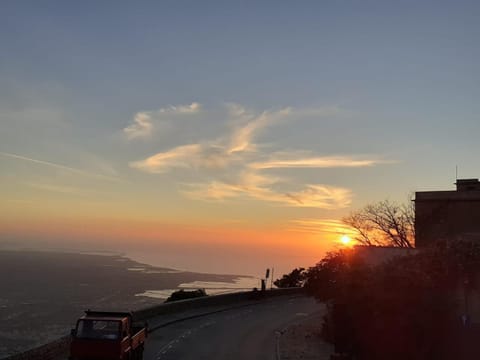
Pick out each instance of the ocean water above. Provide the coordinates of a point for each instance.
(226, 263)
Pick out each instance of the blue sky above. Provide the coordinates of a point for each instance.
(394, 84)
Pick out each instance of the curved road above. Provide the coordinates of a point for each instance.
(250, 332)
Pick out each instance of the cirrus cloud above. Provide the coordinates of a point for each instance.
(184, 156)
(236, 146)
(182, 109)
(143, 123)
(235, 166)
(315, 162)
(319, 226)
(312, 195)
(142, 126)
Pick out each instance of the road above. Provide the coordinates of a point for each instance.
(250, 332)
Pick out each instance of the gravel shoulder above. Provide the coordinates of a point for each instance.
(302, 340)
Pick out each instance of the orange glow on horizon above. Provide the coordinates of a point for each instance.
(272, 243)
(118, 231)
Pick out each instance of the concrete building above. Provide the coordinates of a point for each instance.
(376, 255)
(448, 215)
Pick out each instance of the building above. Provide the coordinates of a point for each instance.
(448, 215)
(377, 255)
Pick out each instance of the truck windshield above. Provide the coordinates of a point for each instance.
(98, 329)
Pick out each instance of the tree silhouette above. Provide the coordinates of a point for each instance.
(295, 279)
(384, 223)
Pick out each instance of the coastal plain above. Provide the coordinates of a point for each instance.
(42, 293)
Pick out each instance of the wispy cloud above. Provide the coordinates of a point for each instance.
(315, 195)
(142, 126)
(260, 187)
(246, 183)
(216, 153)
(321, 196)
(243, 162)
(182, 109)
(143, 123)
(179, 157)
(242, 137)
(214, 190)
(315, 162)
(59, 188)
(317, 226)
(61, 167)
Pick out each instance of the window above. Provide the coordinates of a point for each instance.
(98, 329)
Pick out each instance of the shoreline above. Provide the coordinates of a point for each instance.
(135, 257)
(44, 292)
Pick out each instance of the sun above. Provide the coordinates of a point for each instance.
(346, 240)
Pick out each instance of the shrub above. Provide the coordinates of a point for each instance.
(406, 308)
(295, 279)
(185, 294)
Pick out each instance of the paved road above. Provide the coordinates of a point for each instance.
(249, 332)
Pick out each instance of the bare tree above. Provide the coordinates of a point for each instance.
(384, 223)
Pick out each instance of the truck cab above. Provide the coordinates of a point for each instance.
(107, 336)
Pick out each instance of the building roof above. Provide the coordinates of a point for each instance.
(467, 190)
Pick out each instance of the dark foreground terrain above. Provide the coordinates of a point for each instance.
(43, 293)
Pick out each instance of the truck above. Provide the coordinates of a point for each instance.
(102, 335)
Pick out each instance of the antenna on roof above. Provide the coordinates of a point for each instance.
(456, 173)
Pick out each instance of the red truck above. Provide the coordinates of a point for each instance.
(101, 335)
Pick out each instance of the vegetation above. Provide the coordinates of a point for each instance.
(184, 294)
(408, 308)
(384, 223)
(295, 279)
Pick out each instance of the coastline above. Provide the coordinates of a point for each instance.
(44, 292)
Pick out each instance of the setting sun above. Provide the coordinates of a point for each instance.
(345, 240)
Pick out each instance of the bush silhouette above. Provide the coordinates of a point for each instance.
(186, 294)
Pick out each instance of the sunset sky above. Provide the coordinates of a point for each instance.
(227, 136)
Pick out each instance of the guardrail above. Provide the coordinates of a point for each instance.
(59, 348)
(212, 300)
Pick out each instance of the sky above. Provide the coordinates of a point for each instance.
(227, 136)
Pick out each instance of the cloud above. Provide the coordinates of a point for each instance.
(321, 196)
(142, 126)
(260, 187)
(315, 226)
(193, 156)
(178, 157)
(217, 153)
(315, 162)
(246, 183)
(143, 121)
(215, 190)
(241, 138)
(59, 188)
(61, 167)
(234, 163)
(316, 195)
(182, 109)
